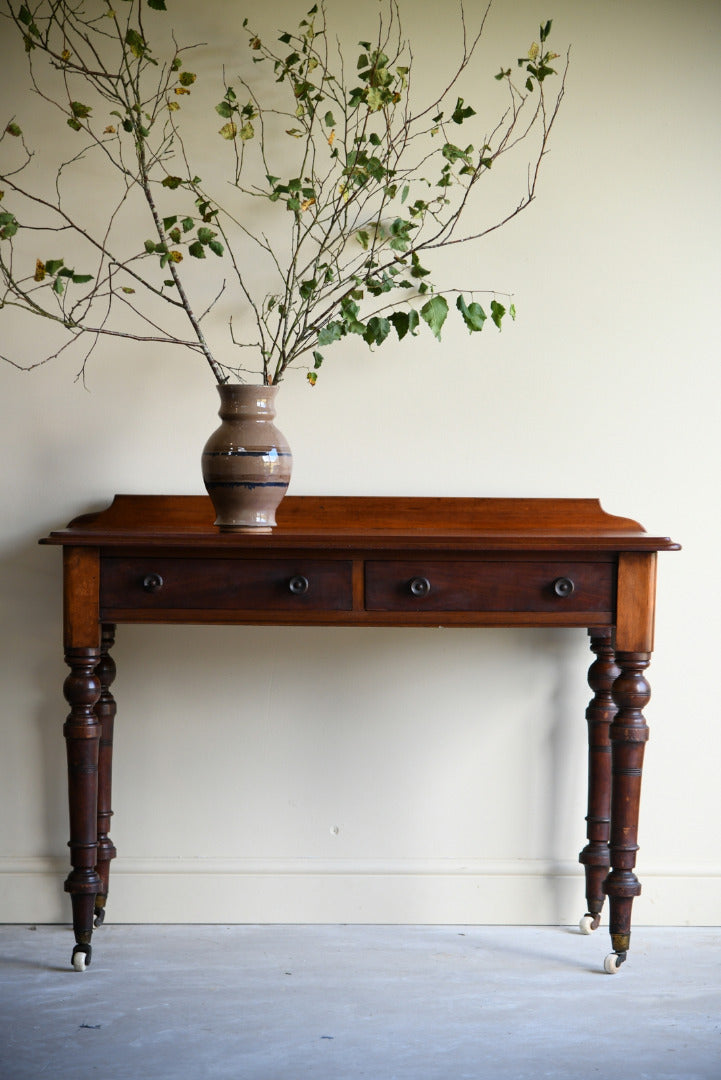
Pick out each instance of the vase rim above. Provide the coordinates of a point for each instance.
(239, 389)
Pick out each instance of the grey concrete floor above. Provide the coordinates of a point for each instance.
(359, 1003)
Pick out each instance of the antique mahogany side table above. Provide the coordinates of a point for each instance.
(347, 561)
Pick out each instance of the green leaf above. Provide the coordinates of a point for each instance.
(187, 224)
(404, 322)
(172, 182)
(8, 225)
(81, 279)
(149, 247)
(216, 247)
(307, 288)
(349, 312)
(13, 129)
(418, 271)
(52, 266)
(329, 120)
(318, 359)
(186, 78)
(460, 114)
(157, 5)
(435, 312)
(334, 331)
(497, 312)
(377, 330)
(454, 153)
(197, 250)
(473, 315)
(168, 222)
(224, 109)
(74, 124)
(58, 286)
(136, 43)
(127, 289)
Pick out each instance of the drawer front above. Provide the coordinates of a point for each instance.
(490, 586)
(225, 584)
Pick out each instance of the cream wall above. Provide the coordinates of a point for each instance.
(382, 775)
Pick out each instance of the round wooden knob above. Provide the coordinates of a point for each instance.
(152, 582)
(563, 586)
(420, 587)
(298, 585)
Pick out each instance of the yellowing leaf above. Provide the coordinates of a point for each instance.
(110, 130)
(39, 270)
(229, 130)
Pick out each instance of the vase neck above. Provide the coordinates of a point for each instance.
(244, 401)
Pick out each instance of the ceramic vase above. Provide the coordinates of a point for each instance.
(246, 462)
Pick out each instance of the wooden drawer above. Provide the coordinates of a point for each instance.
(139, 583)
(533, 586)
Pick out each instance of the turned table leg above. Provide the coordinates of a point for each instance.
(105, 712)
(600, 713)
(629, 734)
(82, 734)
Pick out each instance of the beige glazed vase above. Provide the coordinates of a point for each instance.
(246, 462)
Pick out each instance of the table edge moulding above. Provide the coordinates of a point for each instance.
(367, 561)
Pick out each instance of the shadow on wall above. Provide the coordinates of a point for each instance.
(358, 743)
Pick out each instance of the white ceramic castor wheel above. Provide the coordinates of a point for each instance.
(81, 958)
(588, 924)
(612, 963)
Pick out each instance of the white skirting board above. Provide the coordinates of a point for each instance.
(513, 892)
